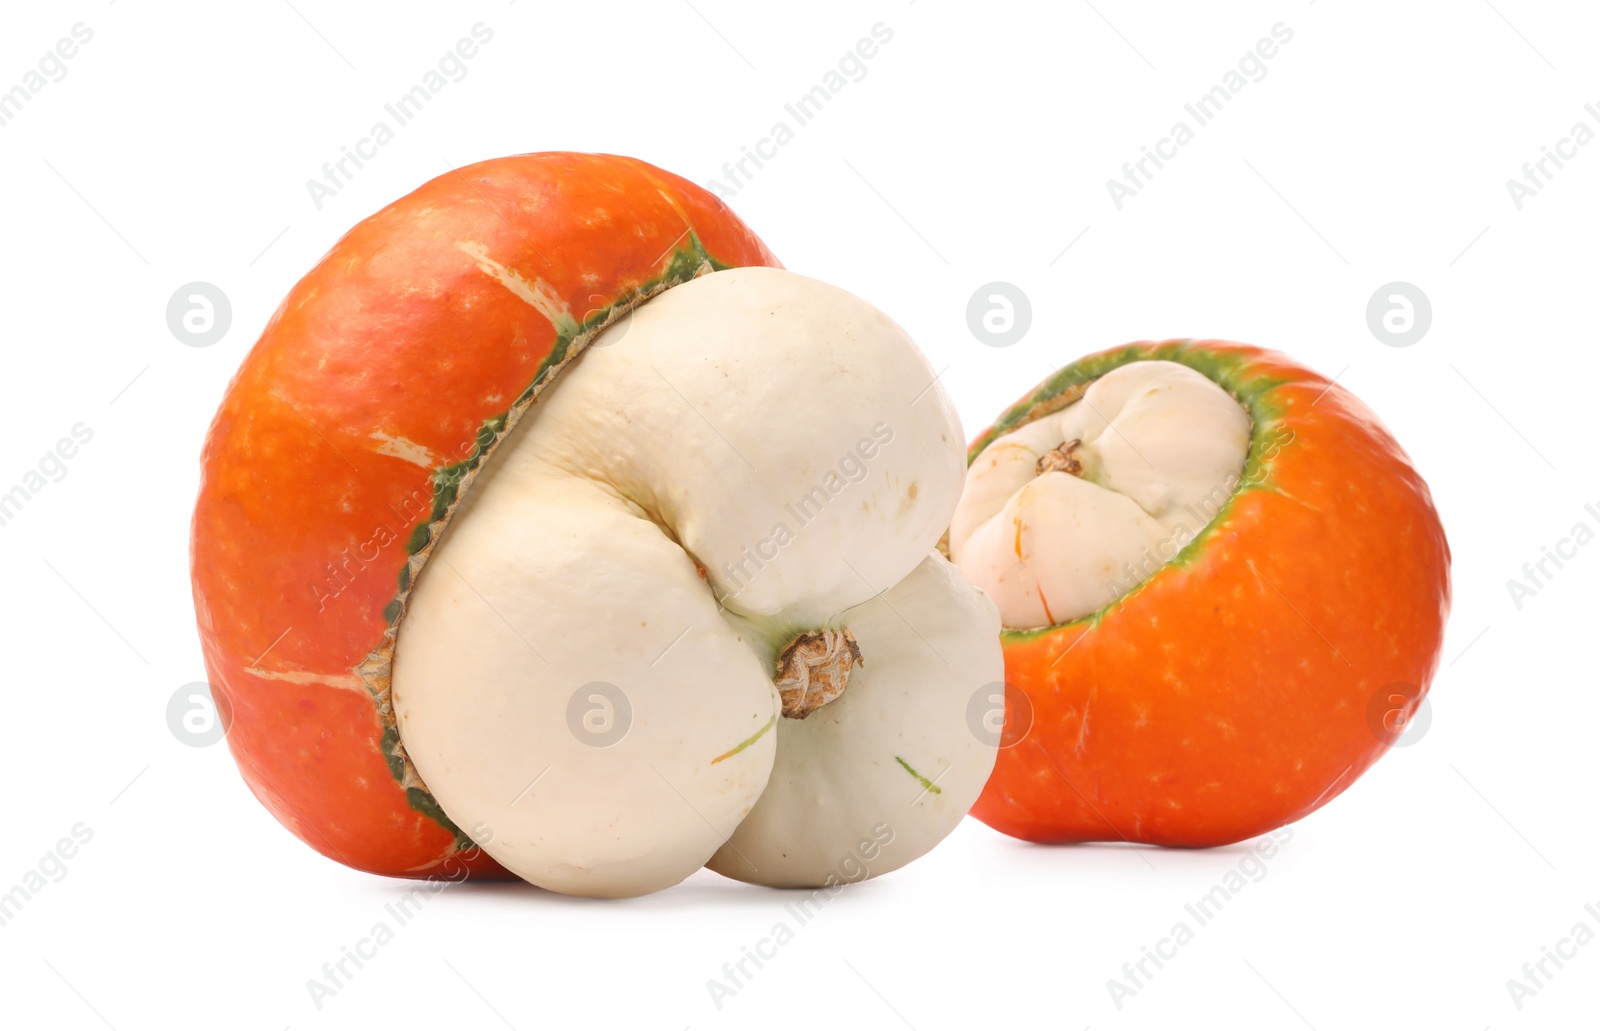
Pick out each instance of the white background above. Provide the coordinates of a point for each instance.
(976, 148)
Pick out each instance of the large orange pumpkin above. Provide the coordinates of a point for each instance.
(355, 427)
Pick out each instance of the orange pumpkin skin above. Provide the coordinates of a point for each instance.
(1248, 681)
(356, 424)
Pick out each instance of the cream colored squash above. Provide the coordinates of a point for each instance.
(742, 483)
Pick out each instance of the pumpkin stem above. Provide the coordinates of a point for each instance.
(1061, 459)
(814, 668)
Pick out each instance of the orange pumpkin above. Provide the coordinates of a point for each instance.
(354, 429)
(1256, 675)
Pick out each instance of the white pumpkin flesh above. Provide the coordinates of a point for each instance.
(1067, 513)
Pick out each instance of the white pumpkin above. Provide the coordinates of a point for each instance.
(742, 483)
